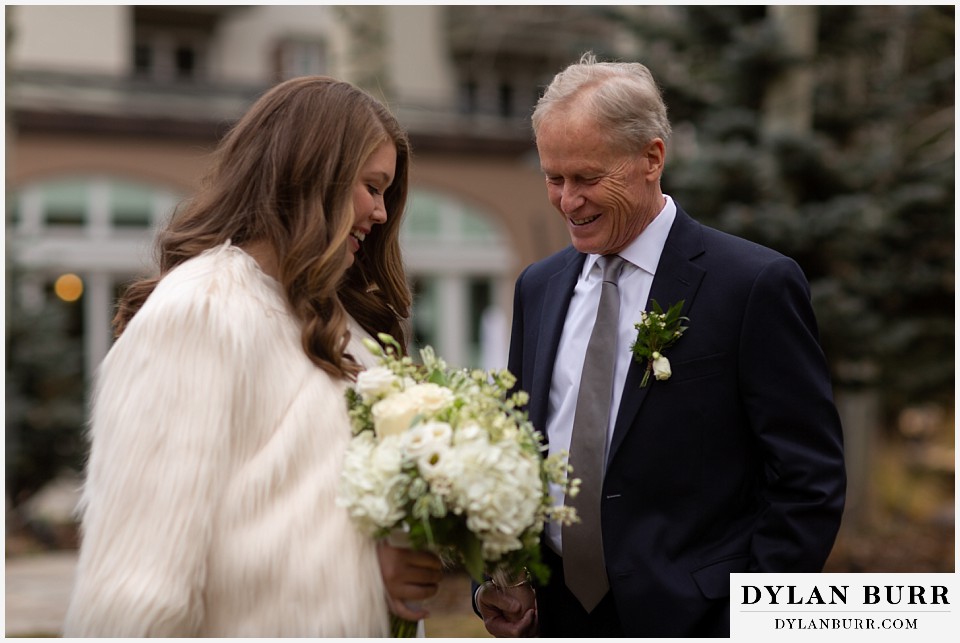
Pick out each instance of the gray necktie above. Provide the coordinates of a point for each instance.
(583, 565)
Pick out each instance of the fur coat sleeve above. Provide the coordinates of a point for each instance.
(209, 505)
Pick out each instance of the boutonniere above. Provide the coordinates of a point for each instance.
(657, 330)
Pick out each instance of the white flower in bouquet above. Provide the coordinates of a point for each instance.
(376, 382)
(430, 398)
(395, 413)
(448, 457)
(373, 485)
(499, 489)
(423, 439)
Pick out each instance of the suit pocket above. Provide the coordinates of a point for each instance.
(697, 368)
(714, 579)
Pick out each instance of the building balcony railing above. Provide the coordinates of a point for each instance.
(57, 102)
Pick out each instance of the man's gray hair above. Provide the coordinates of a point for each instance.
(622, 96)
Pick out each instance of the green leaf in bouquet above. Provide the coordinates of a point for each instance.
(473, 558)
(417, 534)
(539, 570)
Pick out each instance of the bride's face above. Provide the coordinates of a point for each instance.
(375, 177)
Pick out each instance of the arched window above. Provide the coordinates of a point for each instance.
(98, 228)
(459, 265)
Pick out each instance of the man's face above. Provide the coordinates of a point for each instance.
(606, 195)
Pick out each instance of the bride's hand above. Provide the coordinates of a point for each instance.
(409, 577)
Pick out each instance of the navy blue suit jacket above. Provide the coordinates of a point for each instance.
(733, 464)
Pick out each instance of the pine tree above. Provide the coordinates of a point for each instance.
(853, 175)
(44, 398)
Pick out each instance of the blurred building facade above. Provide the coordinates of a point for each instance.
(111, 111)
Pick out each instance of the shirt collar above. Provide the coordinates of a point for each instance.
(644, 251)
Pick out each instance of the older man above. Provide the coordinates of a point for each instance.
(729, 457)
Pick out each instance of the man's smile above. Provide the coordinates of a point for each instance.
(584, 221)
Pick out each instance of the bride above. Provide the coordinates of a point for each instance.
(218, 421)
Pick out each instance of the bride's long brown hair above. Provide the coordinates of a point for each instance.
(284, 176)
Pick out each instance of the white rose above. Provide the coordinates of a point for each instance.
(392, 415)
(376, 382)
(430, 398)
(661, 367)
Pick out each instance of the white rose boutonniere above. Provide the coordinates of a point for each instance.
(656, 331)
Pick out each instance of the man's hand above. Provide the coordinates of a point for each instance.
(409, 577)
(508, 611)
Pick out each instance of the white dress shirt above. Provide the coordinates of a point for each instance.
(640, 265)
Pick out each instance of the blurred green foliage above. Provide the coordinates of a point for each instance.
(863, 197)
(45, 396)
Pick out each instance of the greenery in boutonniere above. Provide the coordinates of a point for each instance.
(656, 331)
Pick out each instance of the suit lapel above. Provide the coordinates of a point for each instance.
(677, 278)
(556, 300)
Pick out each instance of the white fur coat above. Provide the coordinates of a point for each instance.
(209, 505)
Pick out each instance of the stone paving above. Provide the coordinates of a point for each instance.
(37, 590)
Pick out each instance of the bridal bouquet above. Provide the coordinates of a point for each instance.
(447, 457)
